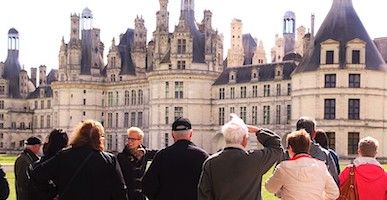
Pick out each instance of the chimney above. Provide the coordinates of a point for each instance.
(33, 75)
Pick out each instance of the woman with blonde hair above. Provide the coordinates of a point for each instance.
(84, 171)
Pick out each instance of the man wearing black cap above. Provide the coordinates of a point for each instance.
(175, 171)
(27, 157)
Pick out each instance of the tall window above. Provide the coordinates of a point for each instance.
(84, 102)
(166, 140)
(109, 142)
(110, 120)
(178, 112)
(117, 98)
(22, 125)
(330, 109)
(221, 116)
(330, 80)
(36, 104)
(243, 92)
(329, 57)
(42, 121)
(354, 109)
(353, 140)
(278, 114)
(289, 89)
(355, 56)
(232, 93)
(221, 93)
(49, 104)
(48, 121)
(166, 89)
(181, 64)
(166, 115)
(254, 116)
(179, 90)
(126, 120)
(288, 113)
(139, 119)
(1, 104)
(110, 98)
(2, 90)
(41, 104)
(278, 89)
(127, 98)
(354, 81)
(243, 113)
(181, 46)
(266, 90)
(133, 101)
(266, 114)
(116, 120)
(232, 110)
(331, 140)
(140, 97)
(132, 119)
(255, 91)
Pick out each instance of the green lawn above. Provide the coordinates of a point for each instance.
(11, 178)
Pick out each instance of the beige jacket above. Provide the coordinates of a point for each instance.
(304, 178)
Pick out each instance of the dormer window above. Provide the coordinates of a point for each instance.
(254, 74)
(278, 72)
(329, 54)
(355, 56)
(232, 76)
(356, 52)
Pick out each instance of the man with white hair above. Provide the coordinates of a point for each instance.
(235, 173)
(175, 171)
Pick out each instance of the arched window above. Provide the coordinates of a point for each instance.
(133, 97)
(140, 97)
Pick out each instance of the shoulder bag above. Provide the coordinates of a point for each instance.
(348, 190)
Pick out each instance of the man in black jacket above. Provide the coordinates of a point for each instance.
(23, 184)
(133, 160)
(175, 171)
(4, 187)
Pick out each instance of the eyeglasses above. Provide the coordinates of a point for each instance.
(133, 139)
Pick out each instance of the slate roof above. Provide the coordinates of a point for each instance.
(86, 52)
(341, 24)
(266, 72)
(125, 48)
(11, 73)
(36, 94)
(52, 76)
(198, 38)
(249, 46)
(13, 31)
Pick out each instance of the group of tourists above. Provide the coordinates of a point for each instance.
(79, 168)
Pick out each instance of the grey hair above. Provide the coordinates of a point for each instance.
(235, 130)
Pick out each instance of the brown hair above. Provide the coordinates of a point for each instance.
(88, 133)
(299, 141)
(321, 138)
(368, 147)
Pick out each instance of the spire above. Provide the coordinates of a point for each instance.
(187, 5)
(342, 24)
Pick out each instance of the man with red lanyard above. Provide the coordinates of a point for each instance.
(302, 177)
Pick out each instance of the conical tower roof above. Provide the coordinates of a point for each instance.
(341, 24)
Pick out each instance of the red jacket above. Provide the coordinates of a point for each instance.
(371, 181)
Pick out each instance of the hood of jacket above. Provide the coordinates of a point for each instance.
(368, 169)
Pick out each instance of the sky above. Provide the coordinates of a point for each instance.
(43, 23)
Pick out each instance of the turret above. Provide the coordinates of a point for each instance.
(23, 83)
(33, 75)
(87, 19)
(42, 75)
(235, 55)
(74, 33)
(259, 54)
(289, 32)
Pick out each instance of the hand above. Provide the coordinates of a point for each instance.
(253, 129)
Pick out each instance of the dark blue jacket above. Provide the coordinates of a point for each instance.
(174, 173)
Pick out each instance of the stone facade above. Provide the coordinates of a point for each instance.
(181, 73)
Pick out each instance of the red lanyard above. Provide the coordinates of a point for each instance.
(300, 156)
